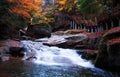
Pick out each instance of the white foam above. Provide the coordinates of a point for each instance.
(54, 55)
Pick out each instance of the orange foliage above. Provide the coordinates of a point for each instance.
(25, 7)
(20, 12)
(30, 4)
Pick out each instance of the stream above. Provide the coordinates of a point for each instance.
(52, 61)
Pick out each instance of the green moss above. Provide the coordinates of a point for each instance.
(104, 35)
(109, 36)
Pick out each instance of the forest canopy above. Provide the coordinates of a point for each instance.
(16, 14)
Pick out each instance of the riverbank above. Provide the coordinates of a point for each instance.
(89, 43)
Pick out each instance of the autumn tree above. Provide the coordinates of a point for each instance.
(67, 5)
(60, 4)
(14, 14)
(70, 5)
(3, 14)
(47, 15)
(26, 8)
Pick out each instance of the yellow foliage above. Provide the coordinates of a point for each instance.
(46, 20)
(61, 2)
(60, 8)
(67, 5)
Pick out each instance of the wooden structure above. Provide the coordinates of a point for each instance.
(105, 21)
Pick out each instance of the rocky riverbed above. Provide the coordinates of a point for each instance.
(90, 45)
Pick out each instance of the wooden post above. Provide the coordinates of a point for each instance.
(112, 25)
(87, 29)
(75, 27)
(102, 28)
(96, 30)
(99, 28)
(71, 24)
(80, 26)
(91, 29)
(84, 27)
(106, 26)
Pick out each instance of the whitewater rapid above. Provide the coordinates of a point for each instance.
(53, 55)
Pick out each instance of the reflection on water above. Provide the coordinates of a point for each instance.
(17, 68)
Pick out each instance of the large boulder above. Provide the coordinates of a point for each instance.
(75, 39)
(70, 41)
(38, 32)
(108, 56)
(74, 42)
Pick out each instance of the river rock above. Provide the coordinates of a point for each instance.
(58, 33)
(89, 54)
(74, 31)
(4, 53)
(4, 58)
(37, 32)
(66, 40)
(69, 31)
(72, 41)
(17, 51)
(75, 40)
(108, 56)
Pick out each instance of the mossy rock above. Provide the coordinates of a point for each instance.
(108, 56)
(108, 36)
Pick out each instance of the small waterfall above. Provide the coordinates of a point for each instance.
(53, 55)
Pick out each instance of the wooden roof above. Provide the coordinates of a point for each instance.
(79, 20)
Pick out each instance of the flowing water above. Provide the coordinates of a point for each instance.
(44, 61)
(53, 55)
